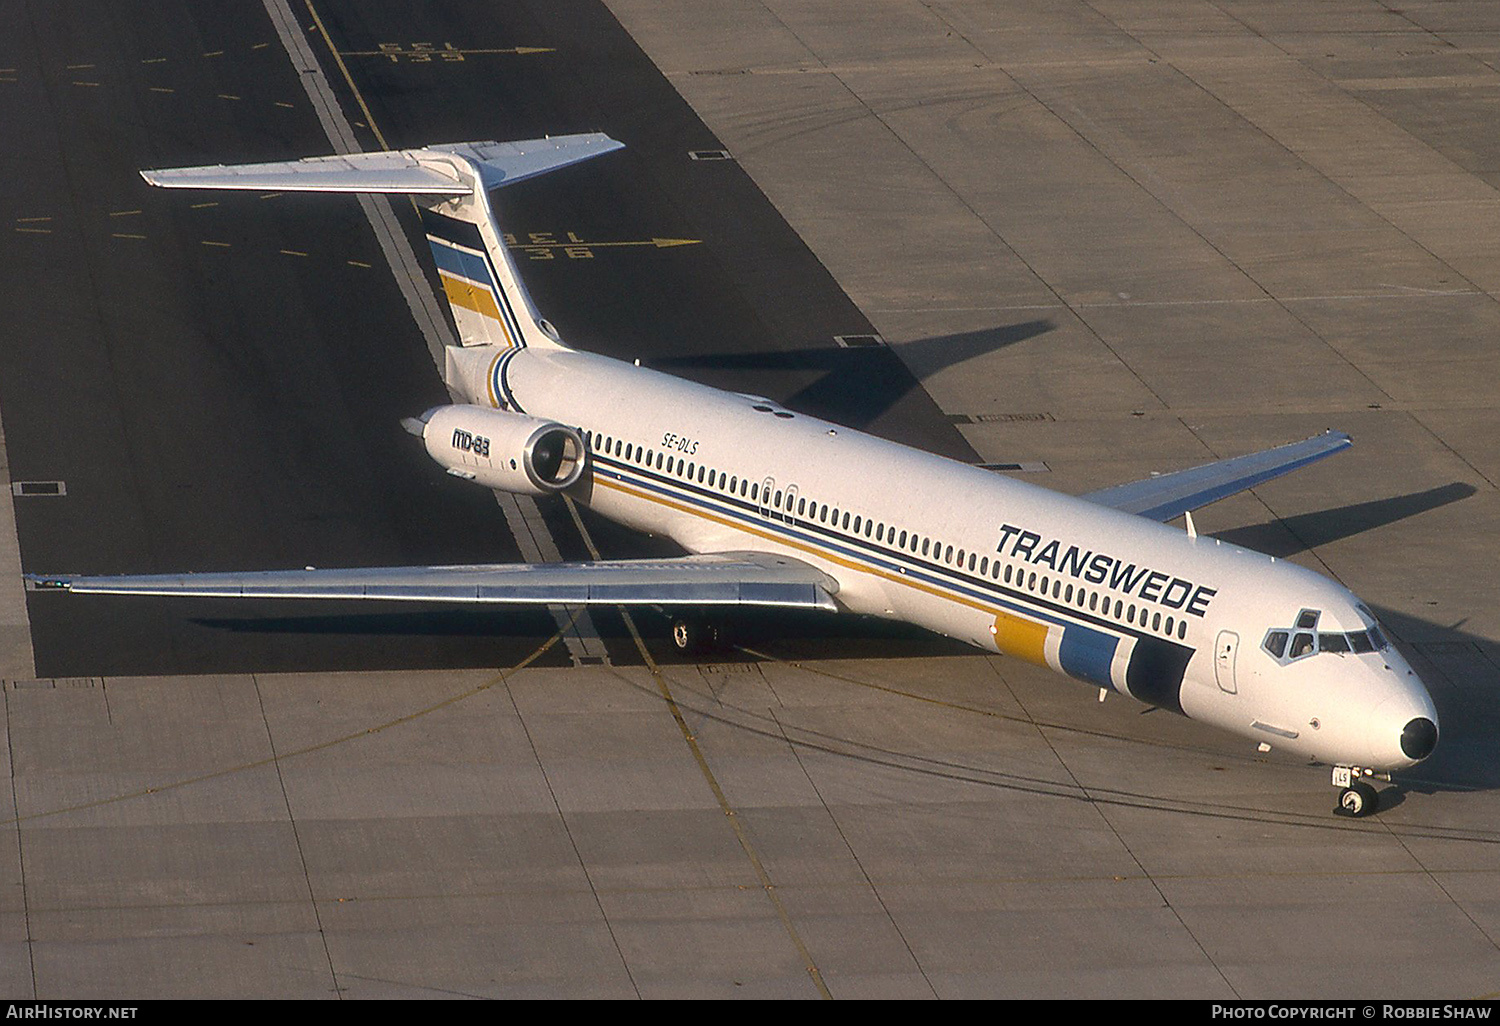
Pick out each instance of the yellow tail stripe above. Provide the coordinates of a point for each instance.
(470, 297)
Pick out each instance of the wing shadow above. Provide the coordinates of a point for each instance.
(1294, 534)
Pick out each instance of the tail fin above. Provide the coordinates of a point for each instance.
(450, 185)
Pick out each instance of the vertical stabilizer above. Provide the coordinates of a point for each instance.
(490, 305)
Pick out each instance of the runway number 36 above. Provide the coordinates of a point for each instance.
(477, 444)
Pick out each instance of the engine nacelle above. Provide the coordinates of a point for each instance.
(507, 451)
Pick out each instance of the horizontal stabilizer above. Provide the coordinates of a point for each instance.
(427, 171)
(721, 579)
(1169, 495)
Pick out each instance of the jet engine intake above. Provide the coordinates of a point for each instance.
(507, 451)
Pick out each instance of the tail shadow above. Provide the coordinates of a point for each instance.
(856, 386)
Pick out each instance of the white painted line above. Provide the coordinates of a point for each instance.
(30, 488)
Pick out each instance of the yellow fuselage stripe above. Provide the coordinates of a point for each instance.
(901, 579)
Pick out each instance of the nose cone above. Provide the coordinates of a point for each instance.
(1402, 729)
(1419, 738)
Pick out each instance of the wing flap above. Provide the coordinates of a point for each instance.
(722, 579)
(1169, 495)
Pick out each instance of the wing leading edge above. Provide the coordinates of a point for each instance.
(719, 579)
(1169, 495)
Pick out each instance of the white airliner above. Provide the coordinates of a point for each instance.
(780, 509)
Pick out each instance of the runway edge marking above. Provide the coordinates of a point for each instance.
(522, 515)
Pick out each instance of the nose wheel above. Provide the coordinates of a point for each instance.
(1359, 799)
(1358, 796)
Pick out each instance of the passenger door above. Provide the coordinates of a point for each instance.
(1224, 653)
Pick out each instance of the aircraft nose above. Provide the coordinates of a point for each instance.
(1419, 738)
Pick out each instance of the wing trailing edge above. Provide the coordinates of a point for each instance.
(719, 579)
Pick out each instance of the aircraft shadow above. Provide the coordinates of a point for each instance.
(857, 386)
(1462, 674)
(795, 633)
(1291, 535)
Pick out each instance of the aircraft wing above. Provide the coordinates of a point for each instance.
(717, 579)
(1169, 495)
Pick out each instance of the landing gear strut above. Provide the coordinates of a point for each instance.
(1358, 797)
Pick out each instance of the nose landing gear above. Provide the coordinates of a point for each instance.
(1358, 797)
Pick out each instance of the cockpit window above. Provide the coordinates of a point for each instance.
(1285, 645)
(1276, 643)
(1307, 618)
(1333, 643)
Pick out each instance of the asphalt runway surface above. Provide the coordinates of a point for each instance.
(218, 379)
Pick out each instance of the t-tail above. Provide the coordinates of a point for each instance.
(450, 185)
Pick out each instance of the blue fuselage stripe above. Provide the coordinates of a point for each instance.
(1088, 654)
(940, 577)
